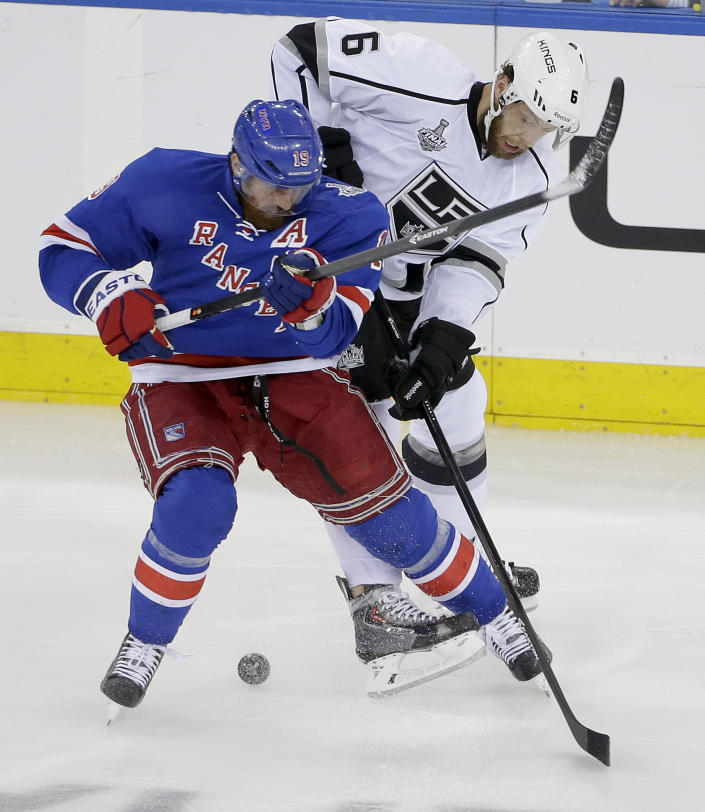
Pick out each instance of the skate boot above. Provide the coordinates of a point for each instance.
(131, 671)
(404, 645)
(525, 581)
(507, 639)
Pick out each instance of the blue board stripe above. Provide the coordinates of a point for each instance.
(587, 16)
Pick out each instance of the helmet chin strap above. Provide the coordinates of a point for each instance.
(491, 113)
(235, 173)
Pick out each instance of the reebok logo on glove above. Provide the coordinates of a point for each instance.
(444, 350)
(415, 388)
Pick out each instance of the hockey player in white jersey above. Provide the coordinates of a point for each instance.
(434, 143)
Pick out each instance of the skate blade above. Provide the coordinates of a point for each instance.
(113, 711)
(399, 672)
(530, 603)
(541, 684)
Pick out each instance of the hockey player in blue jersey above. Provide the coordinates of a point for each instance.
(259, 379)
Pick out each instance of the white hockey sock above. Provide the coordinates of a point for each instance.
(359, 566)
(448, 505)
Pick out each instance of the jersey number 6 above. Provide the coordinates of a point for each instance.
(354, 44)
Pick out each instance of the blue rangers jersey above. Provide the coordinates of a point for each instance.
(178, 211)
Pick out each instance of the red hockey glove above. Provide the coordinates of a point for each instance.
(127, 327)
(296, 298)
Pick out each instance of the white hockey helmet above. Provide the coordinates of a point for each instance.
(550, 76)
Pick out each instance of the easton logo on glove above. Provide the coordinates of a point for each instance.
(127, 326)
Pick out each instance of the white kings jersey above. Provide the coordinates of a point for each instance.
(411, 109)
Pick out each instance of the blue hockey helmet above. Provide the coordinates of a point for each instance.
(277, 145)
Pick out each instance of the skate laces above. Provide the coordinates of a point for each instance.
(506, 636)
(399, 605)
(138, 661)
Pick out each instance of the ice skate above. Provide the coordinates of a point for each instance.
(525, 581)
(130, 673)
(405, 646)
(507, 639)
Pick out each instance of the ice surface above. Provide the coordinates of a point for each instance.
(614, 524)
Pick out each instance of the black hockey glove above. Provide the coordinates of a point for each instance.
(445, 349)
(339, 163)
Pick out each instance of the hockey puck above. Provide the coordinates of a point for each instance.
(253, 668)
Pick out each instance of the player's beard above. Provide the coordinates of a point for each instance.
(494, 142)
(261, 219)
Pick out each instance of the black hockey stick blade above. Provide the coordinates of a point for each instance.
(575, 182)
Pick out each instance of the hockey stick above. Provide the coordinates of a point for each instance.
(594, 743)
(573, 183)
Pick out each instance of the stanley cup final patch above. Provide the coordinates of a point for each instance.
(175, 432)
(432, 140)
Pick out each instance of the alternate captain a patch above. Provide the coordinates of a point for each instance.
(175, 432)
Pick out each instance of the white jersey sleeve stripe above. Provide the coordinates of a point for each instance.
(64, 232)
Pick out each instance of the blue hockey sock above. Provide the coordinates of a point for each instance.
(193, 513)
(454, 573)
(402, 534)
(434, 555)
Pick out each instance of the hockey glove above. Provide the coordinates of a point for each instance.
(299, 301)
(444, 349)
(127, 328)
(338, 161)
